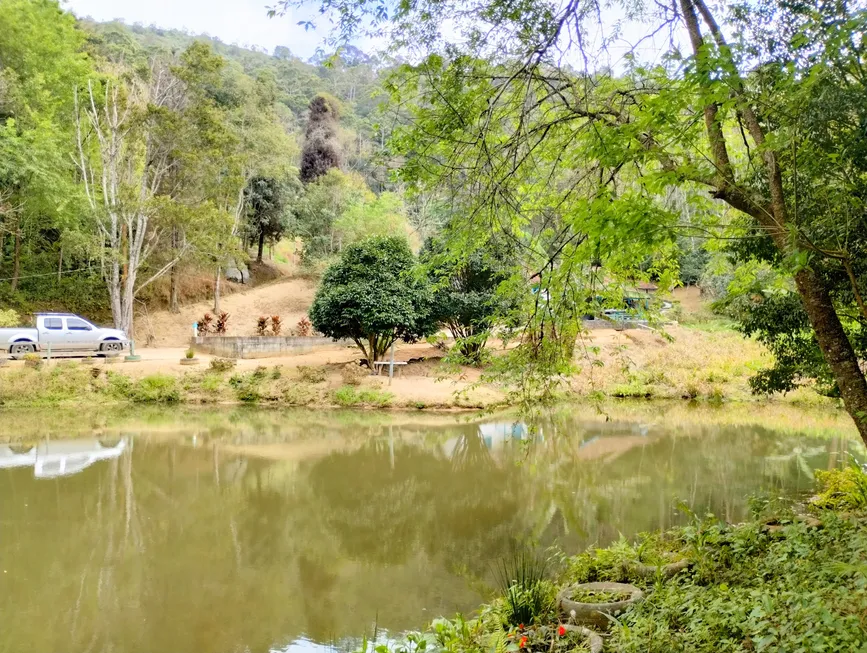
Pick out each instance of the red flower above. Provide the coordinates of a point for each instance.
(520, 626)
(561, 630)
(523, 642)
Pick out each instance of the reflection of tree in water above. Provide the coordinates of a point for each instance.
(383, 513)
(317, 583)
(471, 452)
(633, 486)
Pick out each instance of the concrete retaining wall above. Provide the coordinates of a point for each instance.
(259, 346)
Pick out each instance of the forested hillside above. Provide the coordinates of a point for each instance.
(136, 163)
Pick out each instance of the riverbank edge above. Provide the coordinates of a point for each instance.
(72, 384)
(790, 578)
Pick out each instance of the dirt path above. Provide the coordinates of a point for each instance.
(289, 298)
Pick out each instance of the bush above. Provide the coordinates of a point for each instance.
(220, 365)
(205, 324)
(33, 361)
(154, 389)
(9, 318)
(527, 596)
(247, 386)
(261, 325)
(276, 325)
(222, 326)
(372, 296)
(304, 328)
(842, 489)
(352, 374)
(349, 396)
(309, 374)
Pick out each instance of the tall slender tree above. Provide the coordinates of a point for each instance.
(321, 150)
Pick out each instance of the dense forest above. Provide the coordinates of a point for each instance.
(137, 163)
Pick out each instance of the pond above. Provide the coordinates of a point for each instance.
(256, 530)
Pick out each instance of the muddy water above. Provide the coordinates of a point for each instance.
(260, 531)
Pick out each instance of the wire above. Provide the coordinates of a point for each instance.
(47, 274)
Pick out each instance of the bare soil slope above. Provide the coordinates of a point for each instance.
(288, 298)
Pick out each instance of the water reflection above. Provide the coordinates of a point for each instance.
(53, 458)
(289, 531)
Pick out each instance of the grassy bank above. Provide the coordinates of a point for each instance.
(794, 578)
(70, 383)
(709, 363)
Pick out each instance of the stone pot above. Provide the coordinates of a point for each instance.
(189, 361)
(593, 639)
(597, 614)
(4, 362)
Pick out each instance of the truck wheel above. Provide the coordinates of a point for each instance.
(20, 350)
(112, 348)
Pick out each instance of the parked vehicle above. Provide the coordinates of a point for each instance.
(63, 333)
(60, 457)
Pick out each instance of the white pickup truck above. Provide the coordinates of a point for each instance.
(61, 333)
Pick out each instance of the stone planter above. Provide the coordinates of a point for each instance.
(87, 361)
(597, 614)
(4, 362)
(594, 641)
(189, 361)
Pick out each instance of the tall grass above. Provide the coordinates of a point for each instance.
(527, 594)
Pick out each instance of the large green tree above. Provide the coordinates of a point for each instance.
(41, 64)
(733, 112)
(373, 296)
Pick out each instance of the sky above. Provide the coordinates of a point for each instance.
(244, 22)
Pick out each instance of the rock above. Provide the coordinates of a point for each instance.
(245, 274)
(234, 274)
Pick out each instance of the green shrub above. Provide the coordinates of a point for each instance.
(842, 489)
(528, 597)
(349, 396)
(157, 388)
(247, 386)
(152, 389)
(33, 361)
(9, 318)
(220, 365)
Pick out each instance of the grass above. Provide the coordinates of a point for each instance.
(350, 396)
(709, 364)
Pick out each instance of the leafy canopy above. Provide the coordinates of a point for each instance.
(372, 296)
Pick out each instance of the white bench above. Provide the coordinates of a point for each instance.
(379, 365)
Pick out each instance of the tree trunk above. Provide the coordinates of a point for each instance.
(60, 265)
(261, 246)
(173, 293)
(835, 346)
(2, 243)
(16, 259)
(217, 280)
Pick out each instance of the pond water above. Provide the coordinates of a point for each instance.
(249, 531)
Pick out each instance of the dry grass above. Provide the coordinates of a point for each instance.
(694, 363)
